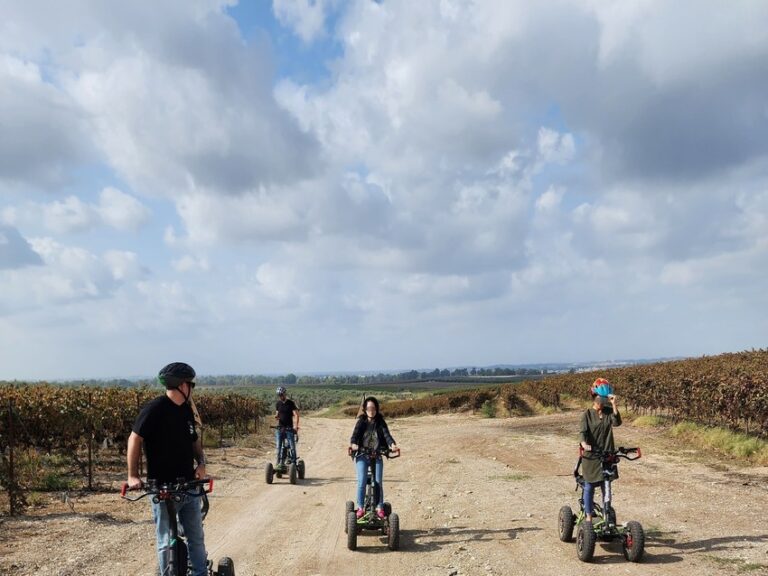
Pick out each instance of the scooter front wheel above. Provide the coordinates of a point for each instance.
(351, 531)
(565, 524)
(585, 541)
(226, 567)
(393, 533)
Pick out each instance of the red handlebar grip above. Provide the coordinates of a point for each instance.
(210, 485)
(639, 453)
(581, 450)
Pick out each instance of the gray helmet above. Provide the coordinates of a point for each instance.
(281, 391)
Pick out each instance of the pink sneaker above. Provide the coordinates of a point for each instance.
(380, 513)
(360, 513)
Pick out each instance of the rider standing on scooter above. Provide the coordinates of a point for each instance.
(285, 412)
(166, 428)
(371, 432)
(596, 432)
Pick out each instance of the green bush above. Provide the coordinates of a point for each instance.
(488, 409)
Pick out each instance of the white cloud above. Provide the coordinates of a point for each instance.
(68, 274)
(172, 127)
(659, 35)
(69, 215)
(210, 219)
(189, 263)
(550, 200)
(281, 283)
(436, 287)
(123, 265)
(120, 210)
(115, 209)
(555, 147)
(306, 17)
(44, 133)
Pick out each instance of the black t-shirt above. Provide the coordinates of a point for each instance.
(285, 412)
(169, 433)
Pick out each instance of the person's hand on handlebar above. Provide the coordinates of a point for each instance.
(587, 447)
(352, 448)
(394, 448)
(134, 483)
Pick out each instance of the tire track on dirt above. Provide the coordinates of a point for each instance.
(278, 527)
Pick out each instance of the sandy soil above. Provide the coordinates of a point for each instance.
(475, 497)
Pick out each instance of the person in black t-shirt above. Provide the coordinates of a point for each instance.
(166, 428)
(287, 416)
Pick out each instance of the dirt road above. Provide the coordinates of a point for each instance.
(474, 496)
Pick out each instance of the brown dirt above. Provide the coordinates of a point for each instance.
(475, 497)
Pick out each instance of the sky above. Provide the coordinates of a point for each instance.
(264, 187)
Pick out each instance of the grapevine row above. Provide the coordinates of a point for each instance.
(75, 423)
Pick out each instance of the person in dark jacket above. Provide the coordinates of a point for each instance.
(596, 433)
(371, 433)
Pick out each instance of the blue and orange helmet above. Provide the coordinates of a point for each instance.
(601, 387)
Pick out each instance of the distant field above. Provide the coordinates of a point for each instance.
(318, 396)
(429, 385)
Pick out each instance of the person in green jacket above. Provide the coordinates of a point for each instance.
(596, 434)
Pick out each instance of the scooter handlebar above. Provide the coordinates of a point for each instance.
(386, 452)
(169, 489)
(621, 452)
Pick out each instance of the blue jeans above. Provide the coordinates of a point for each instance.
(589, 490)
(191, 523)
(361, 463)
(279, 432)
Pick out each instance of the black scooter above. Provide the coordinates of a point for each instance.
(169, 494)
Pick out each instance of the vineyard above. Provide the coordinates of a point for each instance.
(80, 429)
(729, 390)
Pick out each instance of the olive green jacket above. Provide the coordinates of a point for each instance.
(598, 433)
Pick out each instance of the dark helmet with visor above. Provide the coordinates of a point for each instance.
(175, 374)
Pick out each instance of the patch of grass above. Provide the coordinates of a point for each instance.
(452, 461)
(649, 421)
(210, 439)
(725, 441)
(53, 481)
(740, 564)
(750, 566)
(510, 477)
(36, 498)
(546, 410)
(45, 472)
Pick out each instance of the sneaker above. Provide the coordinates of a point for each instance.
(360, 513)
(380, 513)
